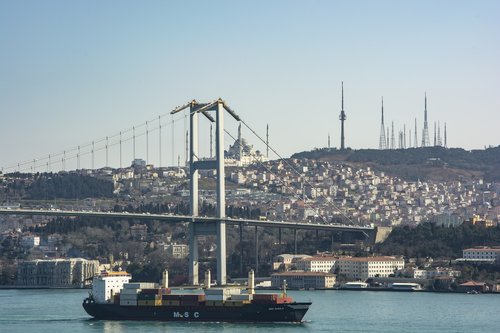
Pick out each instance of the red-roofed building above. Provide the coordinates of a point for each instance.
(362, 268)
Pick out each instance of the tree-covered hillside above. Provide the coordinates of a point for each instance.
(429, 240)
(49, 186)
(409, 162)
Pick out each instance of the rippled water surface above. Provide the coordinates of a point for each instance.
(59, 311)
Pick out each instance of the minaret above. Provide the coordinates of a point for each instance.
(425, 133)
(342, 119)
(328, 140)
(267, 142)
(409, 138)
(382, 140)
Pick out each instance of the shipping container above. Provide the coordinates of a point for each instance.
(223, 291)
(193, 297)
(129, 291)
(242, 297)
(172, 297)
(170, 303)
(128, 297)
(140, 285)
(233, 303)
(214, 303)
(151, 291)
(265, 297)
(216, 297)
(146, 297)
(128, 302)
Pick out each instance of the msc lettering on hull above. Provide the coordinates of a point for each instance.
(185, 314)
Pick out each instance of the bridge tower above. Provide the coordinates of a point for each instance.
(217, 228)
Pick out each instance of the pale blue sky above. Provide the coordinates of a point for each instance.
(76, 71)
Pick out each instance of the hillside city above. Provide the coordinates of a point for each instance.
(310, 190)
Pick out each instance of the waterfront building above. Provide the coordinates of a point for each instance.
(316, 264)
(482, 253)
(75, 272)
(362, 268)
(303, 280)
(284, 261)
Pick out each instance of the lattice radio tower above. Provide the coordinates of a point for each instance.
(382, 140)
(425, 133)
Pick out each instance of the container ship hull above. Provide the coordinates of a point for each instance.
(254, 312)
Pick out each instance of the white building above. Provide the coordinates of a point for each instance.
(363, 268)
(242, 154)
(75, 272)
(317, 264)
(482, 253)
(286, 260)
(177, 251)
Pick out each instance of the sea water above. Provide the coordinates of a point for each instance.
(60, 311)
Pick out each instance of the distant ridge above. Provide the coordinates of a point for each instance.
(422, 163)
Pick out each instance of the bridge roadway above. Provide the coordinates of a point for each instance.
(171, 218)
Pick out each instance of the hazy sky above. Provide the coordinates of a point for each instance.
(76, 71)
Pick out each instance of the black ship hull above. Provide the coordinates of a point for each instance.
(253, 312)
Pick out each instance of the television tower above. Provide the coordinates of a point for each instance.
(416, 140)
(342, 119)
(445, 139)
(425, 134)
(382, 140)
(393, 143)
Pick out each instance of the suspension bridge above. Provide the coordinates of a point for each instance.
(214, 111)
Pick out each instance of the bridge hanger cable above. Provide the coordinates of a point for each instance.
(294, 169)
(86, 149)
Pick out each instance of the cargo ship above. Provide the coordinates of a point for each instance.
(114, 297)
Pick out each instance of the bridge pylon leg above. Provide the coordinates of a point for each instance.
(294, 241)
(241, 248)
(193, 255)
